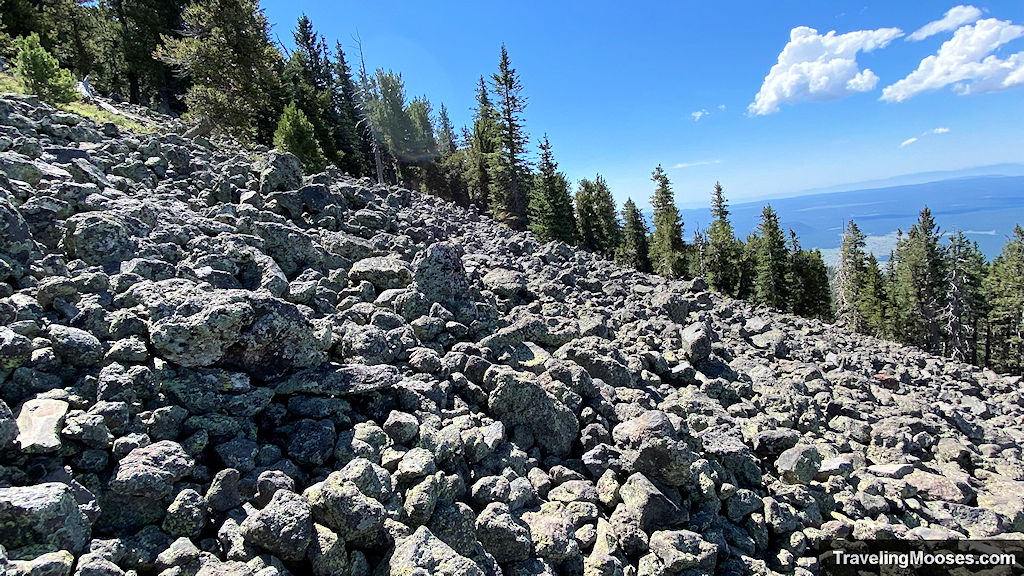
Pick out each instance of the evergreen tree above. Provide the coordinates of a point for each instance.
(225, 52)
(551, 213)
(667, 247)
(41, 73)
(965, 302)
(354, 143)
(871, 299)
(510, 169)
(295, 134)
(633, 250)
(135, 33)
(850, 278)
(807, 282)
(599, 228)
(772, 262)
(748, 267)
(446, 145)
(723, 251)
(483, 149)
(390, 121)
(309, 75)
(1005, 293)
(921, 284)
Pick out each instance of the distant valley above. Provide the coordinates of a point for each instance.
(986, 207)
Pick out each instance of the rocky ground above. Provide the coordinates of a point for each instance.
(210, 365)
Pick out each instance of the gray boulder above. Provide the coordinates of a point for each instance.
(284, 527)
(42, 518)
(152, 470)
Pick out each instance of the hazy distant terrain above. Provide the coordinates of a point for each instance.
(985, 207)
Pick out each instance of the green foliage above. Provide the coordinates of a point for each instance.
(233, 68)
(446, 145)
(599, 229)
(41, 73)
(1005, 291)
(509, 170)
(483, 149)
(667, 247)
(550, 211)
(309, 75)
(770, 288)
(850, 278)
(295, 134)
(807, 283)
(920, 286)
(351, 132)
(634, 249)
(965, 300)
(723, 251)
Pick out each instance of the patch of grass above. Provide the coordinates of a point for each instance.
(11, 83)
(99, 115)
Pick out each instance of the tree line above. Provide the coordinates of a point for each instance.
(214, 62)
(940, 295)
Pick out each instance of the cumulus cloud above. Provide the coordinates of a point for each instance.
(698, 163)
(965, 61)
(820, 67)
(907, 142)
(955, 17)
(699, 114)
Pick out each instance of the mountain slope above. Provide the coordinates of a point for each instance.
(247, 372)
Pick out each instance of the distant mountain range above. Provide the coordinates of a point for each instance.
(985, 202)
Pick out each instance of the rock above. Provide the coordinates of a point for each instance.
(152, 470)
(799, 464)
(8, 426)
(284, 527)
(424, 553)
(339, 504)
(281, 171)
(384, 272)
(552, 532)
(654, 448)
(651, 508)
(518, 400)
(401, 427)
(100, 239)
(337, 380)
(39, 424)
(440, 276)
(681, 550)
(42, 518)
(505, 283)
(186, 516)
(326, 553)
(15, 236)
(504, 537)
(696, 343)
(50, 564)
(75, 346)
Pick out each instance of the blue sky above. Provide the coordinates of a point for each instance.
(615, 85)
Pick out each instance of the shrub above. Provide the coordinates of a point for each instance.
(41, 73)
(295, 134)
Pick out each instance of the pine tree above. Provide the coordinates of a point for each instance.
(850, 278)
(807, 282)
(445, 134)
(309, 75)
(483, 149)
(295, 134)
(1005, 293)
(921, 286)
(724, 251)
(599, 228)
(134, 33)
(226, 54)
(510, 169)
(354, 143)
(390, 121)
(964, 272)
(871, 299)
(772, 262)
(633, 250)
(748, 267)
(667, 247)
(550, 212)
(41, 73)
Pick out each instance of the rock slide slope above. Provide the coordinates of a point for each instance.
(210, 365)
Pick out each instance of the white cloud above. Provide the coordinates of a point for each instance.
(933, 131)
(965, 61)
(721, 107)
(820, 67)
(955, 17)
(699, 114)
(908, 142)
(939, 130)
(698, 163)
